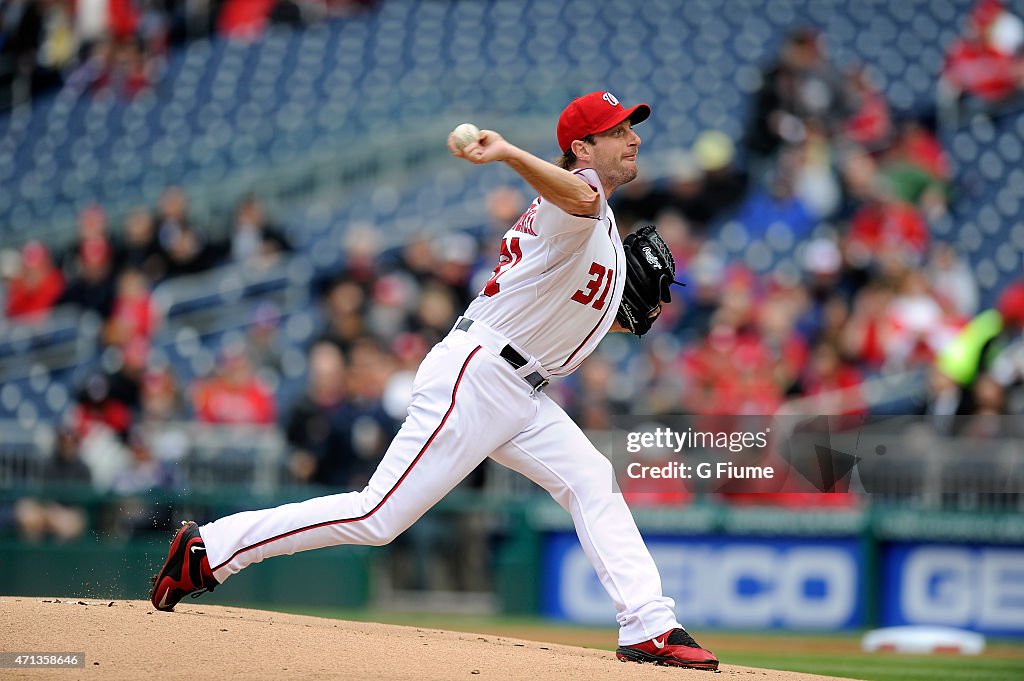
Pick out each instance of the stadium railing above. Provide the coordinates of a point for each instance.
(209, 458)
(65, 337)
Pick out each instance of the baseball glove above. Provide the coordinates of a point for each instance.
(650, 269)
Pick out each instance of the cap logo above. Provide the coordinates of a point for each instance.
(610, 98)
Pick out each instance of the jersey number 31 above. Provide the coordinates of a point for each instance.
(601, 279)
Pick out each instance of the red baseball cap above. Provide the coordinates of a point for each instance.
(595, 112)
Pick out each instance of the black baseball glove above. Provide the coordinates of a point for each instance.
(650, 269)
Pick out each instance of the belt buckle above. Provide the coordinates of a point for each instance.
(539, 385)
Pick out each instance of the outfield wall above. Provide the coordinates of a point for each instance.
(836, 572)
(805, 583)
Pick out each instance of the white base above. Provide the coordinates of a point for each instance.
(923, 640)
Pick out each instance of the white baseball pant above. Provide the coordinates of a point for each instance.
(468, 404)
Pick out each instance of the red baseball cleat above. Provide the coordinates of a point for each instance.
(186, 570)
(675, 648)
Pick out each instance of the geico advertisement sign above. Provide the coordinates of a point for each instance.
(792, 584)
(980, 588)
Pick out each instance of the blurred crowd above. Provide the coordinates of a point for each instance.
(118, 46)
(826, 169)
(114, 423)
(111, 274)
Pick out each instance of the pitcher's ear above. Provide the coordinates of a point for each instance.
(580, 149)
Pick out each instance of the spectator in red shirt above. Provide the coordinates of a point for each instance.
(917, 146)
(135, 315)
(862, 337)
(733, 372)
(37, 285)
(97, 407)
(234, 394)
(826, 375)
(986, 62)
(786, 350)
(706, 367)
(887, 225)
(870, 125)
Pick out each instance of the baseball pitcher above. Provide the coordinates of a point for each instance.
(563, 280)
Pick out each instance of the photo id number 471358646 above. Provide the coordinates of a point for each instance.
(18, 660)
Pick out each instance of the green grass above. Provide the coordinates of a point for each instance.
(823, 654)
(888, 667)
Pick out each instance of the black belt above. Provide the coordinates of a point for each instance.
(510, 355)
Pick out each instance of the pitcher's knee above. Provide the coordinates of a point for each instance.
(598, 481)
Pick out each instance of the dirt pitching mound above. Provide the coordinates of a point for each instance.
(130, 640)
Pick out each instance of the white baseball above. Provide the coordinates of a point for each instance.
(465, 134)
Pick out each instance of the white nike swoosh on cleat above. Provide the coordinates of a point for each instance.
(163, 601)
(661, 645)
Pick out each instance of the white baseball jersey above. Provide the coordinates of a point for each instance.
(558, 283)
